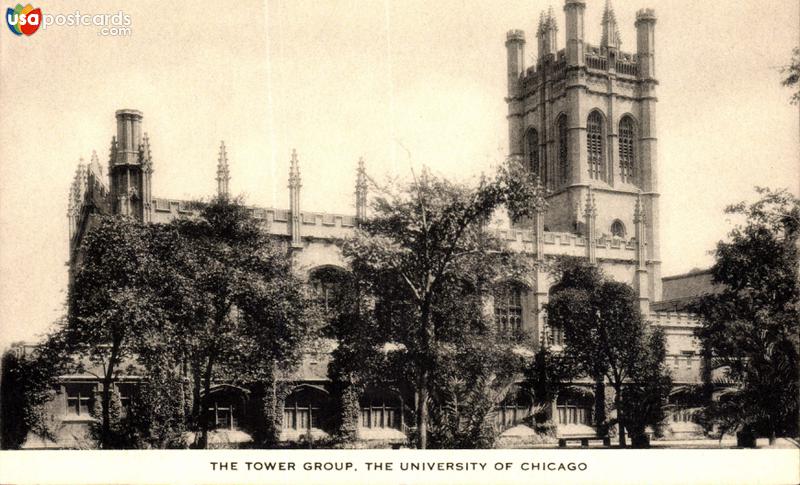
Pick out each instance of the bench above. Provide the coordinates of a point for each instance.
(562, 442)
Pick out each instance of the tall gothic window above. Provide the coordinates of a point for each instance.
(508, 309)
(326, 286)
(627, 154)
(618, 229)
(594, 145)
(533, 152)
(563, 153)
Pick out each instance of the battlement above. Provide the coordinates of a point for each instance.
(596, 58)
(568, 244)
(646, 15)
(554, 71)
(315, 224)
(674, 319)
(515, 35)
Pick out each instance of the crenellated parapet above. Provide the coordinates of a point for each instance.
(568, 244)
(674, 320)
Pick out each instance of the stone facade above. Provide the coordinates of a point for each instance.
(582, 118)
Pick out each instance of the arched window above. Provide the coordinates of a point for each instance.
(513, 409)
(563, 153)
(380, 410)
(533, 152)
(508, 309)
(326, 286)
(594, 146)
(574, 407)
(618, 229)
(226, 406)
(627, 153)
(303, 408)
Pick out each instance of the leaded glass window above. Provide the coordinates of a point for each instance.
(594, 145)
(533, 152)
(508, 309)
(627, 154)
(563, 153)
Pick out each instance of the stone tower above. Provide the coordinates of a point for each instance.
(130, 167)
(583, 120)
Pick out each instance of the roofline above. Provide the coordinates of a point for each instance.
(690, 273)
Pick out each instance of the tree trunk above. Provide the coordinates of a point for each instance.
(422, 411)
(426, 339)
(618, 405)
(204, 417)
(600, 405)
(197, 385)
(105, 400)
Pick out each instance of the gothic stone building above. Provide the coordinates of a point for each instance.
(583, 118)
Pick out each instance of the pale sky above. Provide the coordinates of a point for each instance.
(401, 83)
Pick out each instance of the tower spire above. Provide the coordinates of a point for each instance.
(611, 36)
(294, 201)
(361, 191)
(145, 157)
(223, 172)
(547, 34)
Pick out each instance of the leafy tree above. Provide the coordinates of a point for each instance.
(28, 385)
(116, 305)
(115, 436)
(605, 334)
(420, 249)
(546, 376)
(645, 394)
(240, 313)
(792, 75)
(750, 326)
(156, 418)
(469, 382)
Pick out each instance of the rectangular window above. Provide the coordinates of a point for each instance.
(688, 355)
(79, 399)
(569, 414)
(379, 417)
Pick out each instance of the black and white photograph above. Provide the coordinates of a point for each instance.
(398, 241)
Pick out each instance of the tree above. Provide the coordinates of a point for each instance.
(605, 334)
(239, 313)
(645, 394)
(750, 327)
(156, 417)
(28, 385)
(468, 383)
(792, 75)
(546, 376)
(420, 244)
(116, 306)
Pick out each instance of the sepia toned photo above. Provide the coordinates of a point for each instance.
(401, 225)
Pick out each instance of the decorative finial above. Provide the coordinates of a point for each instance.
(294, 170)
(638, 211)
(145, 157)
(591, 208)
(361, 191)
(223, 171)
(540, 30)
(112, 151)
(611, 37)
(551, 19)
